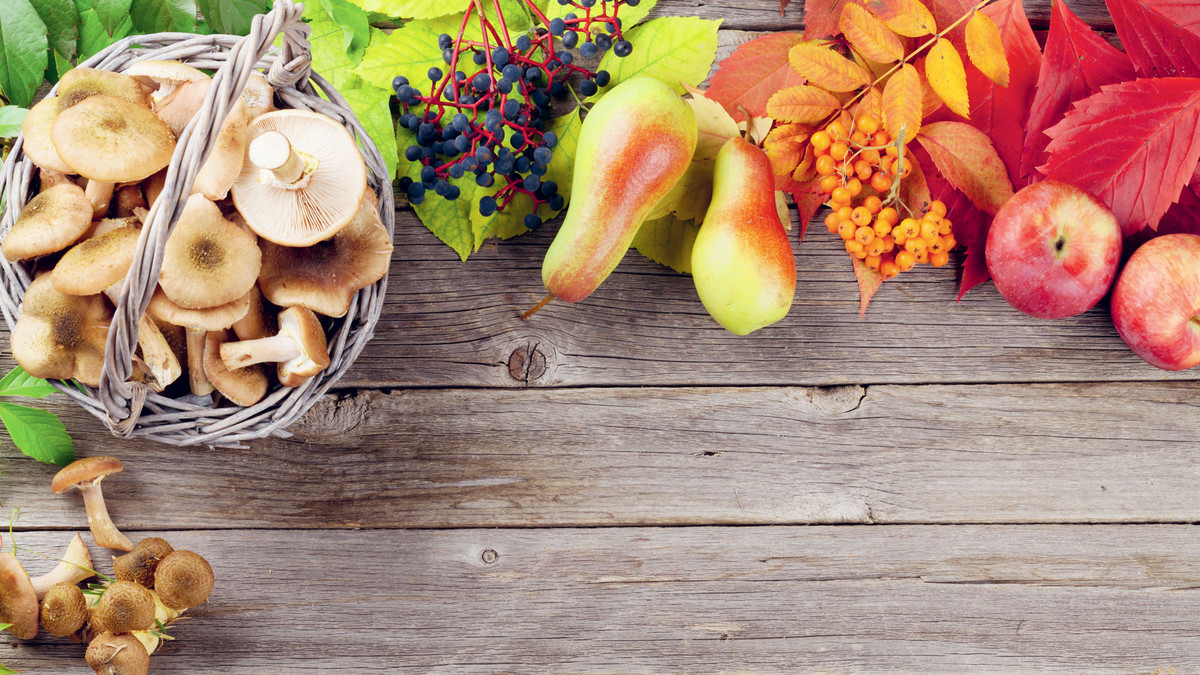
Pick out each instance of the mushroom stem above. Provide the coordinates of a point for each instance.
(104, 532)
(156, 353)
(74, 567)
(273, 349)
(100, 195)
(271, 151)
(196, 377)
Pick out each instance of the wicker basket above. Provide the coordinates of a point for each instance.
(129, 408)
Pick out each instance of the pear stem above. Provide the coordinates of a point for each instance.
(545, 301)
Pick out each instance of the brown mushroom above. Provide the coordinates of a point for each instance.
(244, 386)
(260, 319)
(258, 97)
(208, 260)
(61, 336)
(163, 616)
(183, 580)
(123, 607)
(302, 179)
(105, 138)
(18, 602)
(75, 566)
(48, 178)
(64, 610)
(325, 276)
(80, 84)
(36, 131)
(164, 79)
(86, 475)
(152, 187)
(127, 199)
(299, 348)
(51, 221)
(100, 194)
(139, 564)
(197, 322)
(110, 654)
(224, 163)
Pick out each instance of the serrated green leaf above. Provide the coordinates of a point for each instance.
(38, 433)
(232, 16)
(59, 64)
(62, 24)
(92, 35)
(668, 241)
(678, 50)
(111, 12)
(410, 51)
(354, 23)
(448, 220)
(416, 9)
(20, 383)
(629, 16)
(5, 626)
(156, 16)
(11, 117)
(328, 49)
(504, 224)
(23, 46)
(371, 106)
(690, 197)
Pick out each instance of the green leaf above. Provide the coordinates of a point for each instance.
(504, 224)
(111, 12)
(668, 241)
(353, 22)
(629, 16)
(11, 117)
(690, 197)
(232, 16)
(416, 9)
(3, 670)
(38, 433)
(59, 64)
(62, 24)
(410, 51)
(561, 169)
(371, 105)
(20, 383)
(92, 35)
(678, 50)
(23, 46)
(329, 49)
(156, 16)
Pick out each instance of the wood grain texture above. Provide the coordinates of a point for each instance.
(672, 456)
(928, 599)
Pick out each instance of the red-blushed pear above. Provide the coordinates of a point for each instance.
(1156, 301)
(634, 145)
(1053, 250)
(742, 261)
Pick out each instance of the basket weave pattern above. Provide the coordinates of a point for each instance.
(129, 408)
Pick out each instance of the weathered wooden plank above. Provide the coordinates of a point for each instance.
(674, 456)
(1061, 599)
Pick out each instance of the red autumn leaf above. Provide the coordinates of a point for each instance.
(1162, 37)
(868, 283)
(946, 12)
(753, 72)
(967, 158)
(970, 224)
(809, 198)
(1134, 146)
(1076, 64)
(1001, 112)
(821, 18)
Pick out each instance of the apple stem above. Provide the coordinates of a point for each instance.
(545, 301)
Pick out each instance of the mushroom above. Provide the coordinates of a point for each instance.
(299, 348)
(224, 163)
(152, 187)
(64, 610)
(183, 580)
(124, 606)
(139, 564)
(74, 567)
(110, 654)
(108, 139)
(244, 386)
(302, 179)
(36, 131)
(80, 84)
(61, 336)
(165, 79)
(258, 96)
(48, 178)
(163, 616)
(197, 322)
(128, 198)
(18, 602)
(51, 221)
(259, 321)
(86, 475)
(325, 276)
(208, 260)
(100, 195)
(99, 265)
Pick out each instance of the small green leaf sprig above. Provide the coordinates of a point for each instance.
(37, 433)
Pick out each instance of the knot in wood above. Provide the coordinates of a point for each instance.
(489, 556)
(527, 364)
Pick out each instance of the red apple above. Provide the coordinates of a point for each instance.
(1156, 302)
(1053, 250)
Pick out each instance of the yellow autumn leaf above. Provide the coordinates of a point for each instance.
(870, 104)
(909, 18)
(803, 104)
(785, 147)
(869, 36)
(947, 77)
(826, 68)
(902, 103)
(986, 49)
(930, 103)
(714, 126)
(805, 170)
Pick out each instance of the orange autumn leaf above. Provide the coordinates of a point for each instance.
(914, 190)
(785, 147)
(930, 102)
(909, 18)
(826, 68)
(966, 158)
(986, 49)
(902, 103)
(803, 104)
(869, 36)
(947, 77)
(868, 282)
(805, 170)
(870, 104)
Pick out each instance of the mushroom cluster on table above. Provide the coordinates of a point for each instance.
(280, 229)
(123, 619)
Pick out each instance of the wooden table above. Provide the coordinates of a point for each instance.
(623, 486)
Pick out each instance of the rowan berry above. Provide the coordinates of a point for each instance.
(844, 212)
(839, 150)
(938, 259)
(876, 247)
(945, 226)
(909, 228)
(928, 230)
(935, 245)
(872, 262)
(889, 244)
(831, 222)
(861, 216)
(864, 235)
(915, 246)
(853, 246)
(933, 216)
(889, 214)
(841, 194)
(845, 229)
(949, 241)
(863, 170)
(880, 182)
(858, 137)
(873, 204)
(820, 141)
(870, 156)
(837, 130)
(882, 228)
(938, 207)
(905, 260)
(868, 124)
(854, 185)
(880, 139)
(891, 151)
(923, 256)
(888, 269)
(826, 165)
(828, 183)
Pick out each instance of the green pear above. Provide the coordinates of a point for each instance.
(634, 145)
(742, 261)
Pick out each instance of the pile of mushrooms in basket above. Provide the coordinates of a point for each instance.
(280, 229)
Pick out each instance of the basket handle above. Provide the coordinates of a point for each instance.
(122, 399)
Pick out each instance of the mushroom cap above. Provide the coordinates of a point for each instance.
(106, 225)
(51, 221)
(18, 601)
(152, 187)
(183, 580)
(128, 198)
(36, 130)
(244, 386)
(258, 96)
(161, 77)
(79, 84)
(64, 610)
(224, 163)
(110, 654)
(260, 320)
(139, 564)
(307, 212)
(180, 106)
(109, 139)
(124, 606)
(304, 326)
(84, 470)
(213, 318)
(94, 264)
(325, 276)
(208, 261)
(61, 336)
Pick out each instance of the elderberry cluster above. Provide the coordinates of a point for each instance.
(485, 117)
